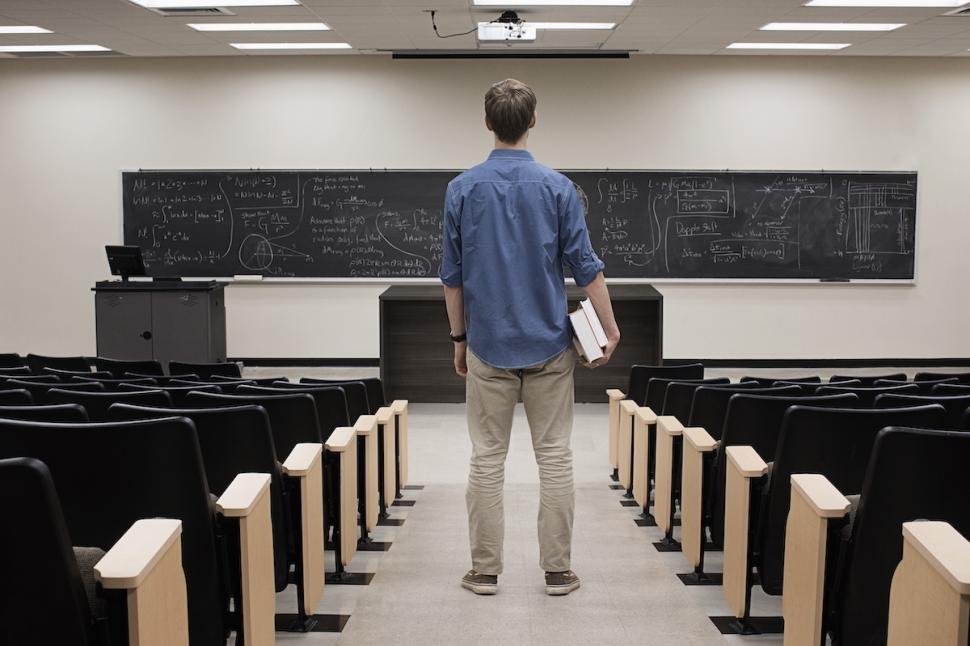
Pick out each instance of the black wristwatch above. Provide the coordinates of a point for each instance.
(460, 338)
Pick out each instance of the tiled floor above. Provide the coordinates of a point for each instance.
(629, 595)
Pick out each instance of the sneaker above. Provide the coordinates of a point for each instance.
(561, 583)
(480, 583)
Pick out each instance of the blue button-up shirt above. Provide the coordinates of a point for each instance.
(510, 226)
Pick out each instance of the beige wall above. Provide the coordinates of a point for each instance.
(68, 127)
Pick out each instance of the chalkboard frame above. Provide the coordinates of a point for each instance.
(334, 280)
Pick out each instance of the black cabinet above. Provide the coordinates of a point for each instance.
(179, 321)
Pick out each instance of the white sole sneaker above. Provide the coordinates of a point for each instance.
(561, 590)
(479, 588)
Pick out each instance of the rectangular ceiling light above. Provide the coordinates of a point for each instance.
(196, 4)
(291, 45)
(552, 3)
(832, 26)
(23, 29)
(571, 25)
(23, 49)
(259, 26)
(805, 46)
(885, 3)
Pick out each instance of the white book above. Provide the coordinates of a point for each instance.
(594, 321)
(584, 339)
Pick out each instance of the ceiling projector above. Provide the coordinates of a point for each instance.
(507, 28)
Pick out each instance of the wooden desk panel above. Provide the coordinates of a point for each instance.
(417, 358)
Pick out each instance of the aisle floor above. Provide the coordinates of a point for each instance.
(630, 594)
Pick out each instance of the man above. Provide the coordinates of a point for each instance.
(510, 225)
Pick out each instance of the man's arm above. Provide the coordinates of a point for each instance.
(599, 296)
(455, 302)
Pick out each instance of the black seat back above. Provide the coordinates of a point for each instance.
(259, 381)
(657, 391)
(223, 386)
(679, 396)
(867, 395)
(755, 420)
(39, 389)
(111, 383)
(178, 394)
(11, 360)
(110, 475)
(233, 440)
(49, 413)
(22, 371)
(292, 417)
(66, 375)
(640, 377)
(358, 400)
(37, 363)
(710, 404)
(925, 387)
(961, 377)
(375, 389)
(97, 404)
(16, 397)
(331, 402)
(41, 580)
(955, 405)
(868, 381)
(119, 368)
(205, 370)
(835, 442)
(162, 381)
(770, 381)
(913, 475)
(812, 387)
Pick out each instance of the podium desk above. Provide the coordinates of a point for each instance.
(417, 359)
(165, 320)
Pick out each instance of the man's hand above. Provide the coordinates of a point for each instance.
(461, 354)
(611, 343)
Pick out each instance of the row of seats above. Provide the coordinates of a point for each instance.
(255, 477)
(814, 491)
(13, 364)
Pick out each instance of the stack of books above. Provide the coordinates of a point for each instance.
(588, 334)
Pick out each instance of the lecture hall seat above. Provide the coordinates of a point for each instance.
(37, 363)
(205, 370)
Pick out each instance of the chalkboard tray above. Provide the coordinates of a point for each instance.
(650, 225)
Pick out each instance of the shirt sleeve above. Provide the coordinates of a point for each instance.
(450, 271)
(574, 245)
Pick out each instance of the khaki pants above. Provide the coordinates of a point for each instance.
(548, 394)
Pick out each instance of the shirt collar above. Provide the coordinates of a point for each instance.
(511, 153)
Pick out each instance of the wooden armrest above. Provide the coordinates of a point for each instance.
(384, 415)
(132, 558)
(366, 424)
(247, 499)
(646, 415)
(301, 458)
(243, 493)
(628, 406)
(747, 461)
(398, 406)
(814, 502)
(614, 394)
(944, 548)
(147, 562)
(820, 494)
(699, 440)
(929, 599)
(669, 425)
(341, 439)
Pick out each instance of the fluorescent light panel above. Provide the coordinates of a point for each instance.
(806, 46)
(571, 25)
(832, 26)
(23, 29)
(21, 49)
(259, 26)
(885, 3)
(291, 45)
(552, 3)
(195, 4)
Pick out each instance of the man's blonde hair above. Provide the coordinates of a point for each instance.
(509, 106)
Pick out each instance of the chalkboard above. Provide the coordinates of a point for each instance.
(643, 224)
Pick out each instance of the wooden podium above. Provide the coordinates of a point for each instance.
(417, 360)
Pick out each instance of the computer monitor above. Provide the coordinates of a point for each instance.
(125, 260)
